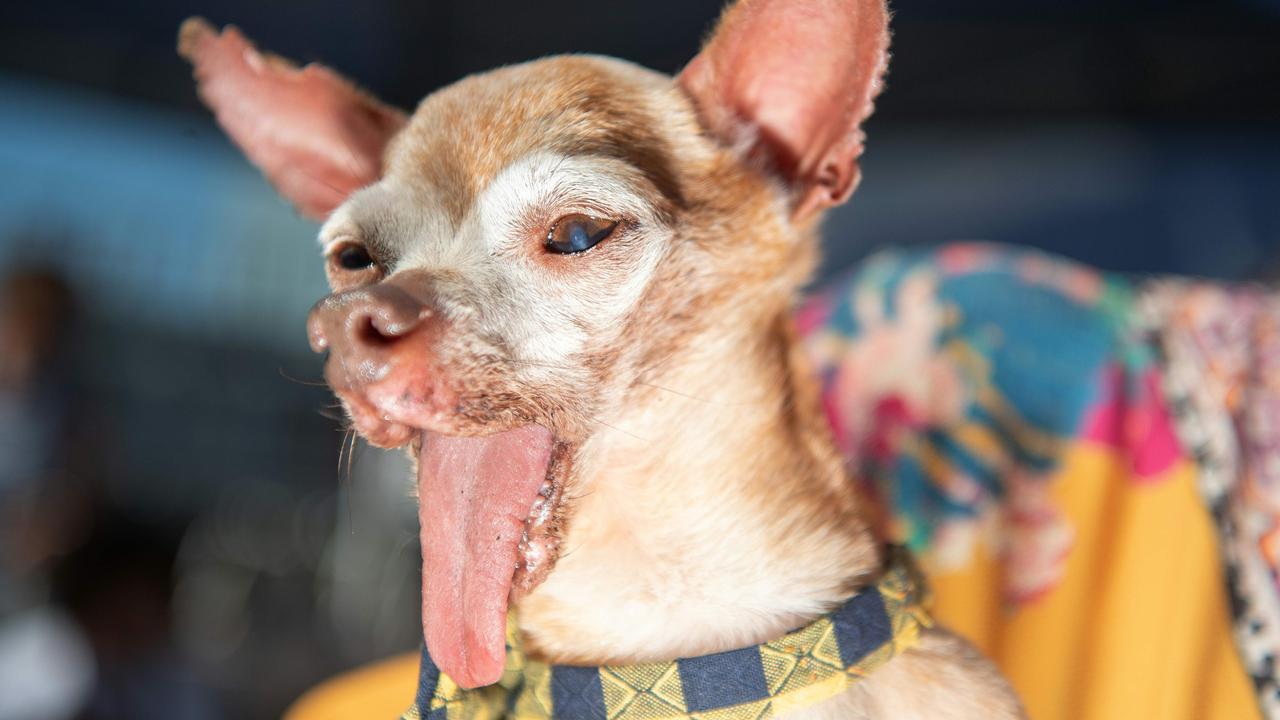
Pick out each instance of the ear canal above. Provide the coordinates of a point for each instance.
(794, 80)
(835, 180)
(314, 135)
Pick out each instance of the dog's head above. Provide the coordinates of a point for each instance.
(510, 261)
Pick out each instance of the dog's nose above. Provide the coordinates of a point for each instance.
(368, 320)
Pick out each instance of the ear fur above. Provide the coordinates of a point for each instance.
(793, 80)
(314, 135)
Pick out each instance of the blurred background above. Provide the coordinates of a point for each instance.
(185, 530)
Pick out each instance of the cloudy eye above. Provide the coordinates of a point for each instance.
(575, 233)
(353, 256)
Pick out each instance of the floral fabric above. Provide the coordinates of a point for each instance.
(1006, 416)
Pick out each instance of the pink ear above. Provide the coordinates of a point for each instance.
(315, 135)
(794, 80)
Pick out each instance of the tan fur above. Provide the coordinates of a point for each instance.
(706, 506)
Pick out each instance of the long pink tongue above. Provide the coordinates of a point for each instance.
(474, 495)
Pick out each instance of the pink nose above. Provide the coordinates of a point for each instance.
(363, 327)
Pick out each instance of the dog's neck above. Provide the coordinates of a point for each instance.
(712, 513)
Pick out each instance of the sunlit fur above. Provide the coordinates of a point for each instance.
(707, 506)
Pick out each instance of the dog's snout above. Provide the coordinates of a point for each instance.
(383, 342)
(367, 320)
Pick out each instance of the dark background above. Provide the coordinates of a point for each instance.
(202, 541)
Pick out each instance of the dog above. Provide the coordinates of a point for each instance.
(566, 288)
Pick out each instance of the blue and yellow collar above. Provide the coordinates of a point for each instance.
(804, 667)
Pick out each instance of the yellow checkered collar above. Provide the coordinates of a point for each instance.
(804, 667)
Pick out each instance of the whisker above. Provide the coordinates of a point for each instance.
(576, 496)
(342, 447)
(347, 448)
(532, 363)
(614, 427)
(694, 397)
(290, 378)
(334, 412)
(351, 454)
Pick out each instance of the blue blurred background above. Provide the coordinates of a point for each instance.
(184, 531)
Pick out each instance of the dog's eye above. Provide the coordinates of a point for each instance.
(353, 257)
(349, 264)
(575, 233)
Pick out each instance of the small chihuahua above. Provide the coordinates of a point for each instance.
(566, 288)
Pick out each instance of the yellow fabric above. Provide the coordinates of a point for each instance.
(376, 691)
(1142, 591)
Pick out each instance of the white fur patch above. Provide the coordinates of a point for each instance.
(589, 292)
(493, 265)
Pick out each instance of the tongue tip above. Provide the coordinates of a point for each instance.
(480, 677)
(470, 668)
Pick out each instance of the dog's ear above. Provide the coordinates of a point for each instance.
(789, 83)
(315, 135)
